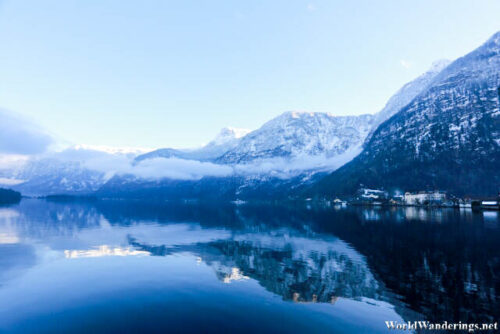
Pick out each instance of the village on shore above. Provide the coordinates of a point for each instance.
(431, 199)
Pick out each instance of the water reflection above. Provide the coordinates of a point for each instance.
(402, 263)
(103, 250)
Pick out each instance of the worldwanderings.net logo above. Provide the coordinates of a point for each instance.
(426, 325)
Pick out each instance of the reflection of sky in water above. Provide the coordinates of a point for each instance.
(77, 267)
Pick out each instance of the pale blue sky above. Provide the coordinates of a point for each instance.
(172, 73)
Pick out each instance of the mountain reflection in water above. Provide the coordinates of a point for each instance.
(398, 264)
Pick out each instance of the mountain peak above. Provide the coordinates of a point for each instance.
(228, 134)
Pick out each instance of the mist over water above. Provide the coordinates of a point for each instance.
(118, 266)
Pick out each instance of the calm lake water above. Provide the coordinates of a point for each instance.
(130, 267)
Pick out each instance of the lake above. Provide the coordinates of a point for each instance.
(129, 267)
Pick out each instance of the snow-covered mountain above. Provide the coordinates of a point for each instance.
(447, 137)
(227, 139)
(80, 169)
(300, 135)
(290, 144)
(292, 135)
(49, 176)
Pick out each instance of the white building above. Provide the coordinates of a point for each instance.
(492, 204)
(372, 194)
(424, 198)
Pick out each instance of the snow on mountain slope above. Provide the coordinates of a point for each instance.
(228, 136)
(300, 134)
(48, 176)
(407, 93)
(284, 146)
(77, 170)
(226, 139)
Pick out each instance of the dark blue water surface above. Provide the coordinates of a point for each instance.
(135, 267)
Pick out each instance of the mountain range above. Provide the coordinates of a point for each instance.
(439, 131)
